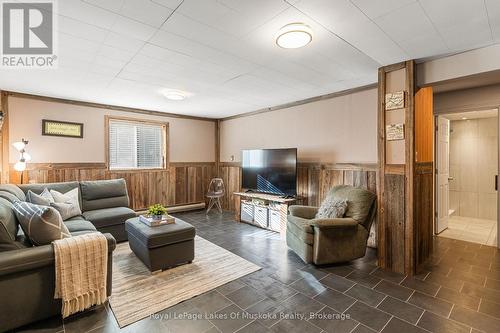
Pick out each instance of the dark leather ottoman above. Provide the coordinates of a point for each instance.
(163, 246)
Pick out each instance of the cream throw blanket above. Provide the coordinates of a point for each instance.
(81, 271)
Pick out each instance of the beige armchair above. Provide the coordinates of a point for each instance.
(328, 241)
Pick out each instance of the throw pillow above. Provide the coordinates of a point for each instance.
(331, 208)
(67, 204)
(44, 198)
(41, 224)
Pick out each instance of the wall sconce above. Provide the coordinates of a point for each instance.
(23, 157)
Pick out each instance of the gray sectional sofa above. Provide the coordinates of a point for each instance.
(27, 273)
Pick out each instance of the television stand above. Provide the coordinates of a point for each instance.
(263, 210)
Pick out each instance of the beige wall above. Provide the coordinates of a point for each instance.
(463, 64)
(340, 129)
(190, 140)
(473, 166)
(472, 99)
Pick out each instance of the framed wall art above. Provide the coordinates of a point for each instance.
(62, 128)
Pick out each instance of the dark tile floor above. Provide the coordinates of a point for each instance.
(458, 292)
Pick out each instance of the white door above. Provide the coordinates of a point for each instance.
(443, 173)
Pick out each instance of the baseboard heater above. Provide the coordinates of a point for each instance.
(180, 208)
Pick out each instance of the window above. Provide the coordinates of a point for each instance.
(136, 144)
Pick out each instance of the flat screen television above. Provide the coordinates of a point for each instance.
(270, 171)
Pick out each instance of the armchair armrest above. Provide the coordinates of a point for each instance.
(305, 212)
(29, 258)
(337, 223)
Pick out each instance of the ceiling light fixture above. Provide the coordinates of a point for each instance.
(175, 95)
(294, 35)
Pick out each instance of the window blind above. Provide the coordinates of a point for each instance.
(135, 145)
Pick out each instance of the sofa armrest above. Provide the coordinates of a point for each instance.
(337, 223)
(305, 212)
(26, 259)
(111, 242)
(30, 258)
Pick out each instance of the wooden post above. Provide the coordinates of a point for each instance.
(396, 222)
(5, 137)
(217, 148)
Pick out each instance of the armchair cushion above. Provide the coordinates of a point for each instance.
(305, 212)
(332, 208)
(336, 223)
(359, 201)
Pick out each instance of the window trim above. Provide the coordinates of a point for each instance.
(166, 141)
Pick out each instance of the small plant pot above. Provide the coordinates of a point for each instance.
(157, 217)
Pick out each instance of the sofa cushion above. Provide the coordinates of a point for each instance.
(103, 194)
(79, 225)
(109, 216)
(60, 187)
(66, 204)
(13, 189)
(44, 198)
(41, 224)
(76, 218)
(359, 201)
(8, 227)
(153, 237)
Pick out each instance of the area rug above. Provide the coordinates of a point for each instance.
(138, 294)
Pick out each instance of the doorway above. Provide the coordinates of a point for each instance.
(466, 176)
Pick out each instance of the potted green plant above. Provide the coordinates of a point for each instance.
(157, 211)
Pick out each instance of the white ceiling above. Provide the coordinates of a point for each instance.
(124, 52)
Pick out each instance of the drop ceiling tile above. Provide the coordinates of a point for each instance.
(374, 9)
(75, 44)
(347, 21)
(462, 23)
(234, 17)
(86, 13)
(122, 42)
(172, 4)
(115, 54)
(410, 27)
(185, 27)
(110, 5)
(493, 7)
(132, 29)
(202, 52)
(104, 70)
(80, 29)
(146, 11)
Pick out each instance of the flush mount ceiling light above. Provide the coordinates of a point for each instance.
(294, 35)
(175, 95)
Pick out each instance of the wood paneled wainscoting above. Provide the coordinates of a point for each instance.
(314, 180)
(179, 184)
